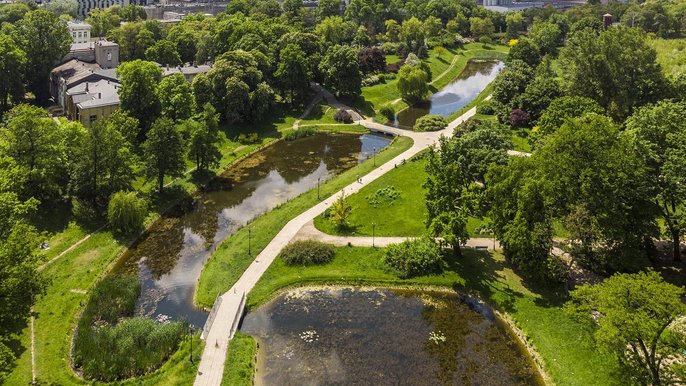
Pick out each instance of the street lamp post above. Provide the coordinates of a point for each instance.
(373, 234)
(190, 334)
(374, 156)
(318, 180)
(249, 242)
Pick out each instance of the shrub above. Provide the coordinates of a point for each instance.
(371, 80)
(299, 133)
(340, 212)
(343, 116)
(485, 108)
(414, 257)
(519, 118)
(485, 40)
(388, 112)
(109, 346)
(126, 212)
(247, 139)
(393, 68)
(383, 197)
(430, 123)
(307, 252)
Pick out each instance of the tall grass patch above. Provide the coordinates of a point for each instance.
(110, 344)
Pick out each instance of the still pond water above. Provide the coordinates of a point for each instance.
(170, 257)
(467, 86)
(348, 336)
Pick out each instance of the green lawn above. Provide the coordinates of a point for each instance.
(565, 345)
(671, 54)
(401, 216)
(239, 369)
(520, 140)
(231, 259)
(390, 58)
(444, 69)
(321, 113)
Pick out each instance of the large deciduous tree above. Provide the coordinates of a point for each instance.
(662, 135)
(106, 164)
(293, 73)
(413, 83)
(176, 97)
(164, 152)
(616, 68)
(20, 283)
(447, 204)
(237, 87)
(341, 71)
(12, 62)
(163, 52)
(635, 315)
(32, 140)
(138, 94)
(46, 40)
(204, 139)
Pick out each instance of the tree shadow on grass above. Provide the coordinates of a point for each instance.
(52, 217)
(363, 106)
(483, 275)
(346, 230)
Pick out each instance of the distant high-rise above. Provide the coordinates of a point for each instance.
(84, 6)
(493, 3)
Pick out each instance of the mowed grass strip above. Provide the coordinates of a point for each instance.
(231, 259)
(565, 345)
(239, 368)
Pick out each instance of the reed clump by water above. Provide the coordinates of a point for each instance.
(110, 344)
(299, 133)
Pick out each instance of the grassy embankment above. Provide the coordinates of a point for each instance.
(565, 346)
(240, 361)
(75, 272)
(403, 215)
(444, 69)
(231, 259)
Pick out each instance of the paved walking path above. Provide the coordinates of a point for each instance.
(211, 365)
(309, 232)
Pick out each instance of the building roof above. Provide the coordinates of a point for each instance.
(94, 94)
(74, 70)
(72, 24)
(91, 45)
(187, 70)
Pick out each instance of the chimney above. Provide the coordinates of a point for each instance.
(99, 95)
(86, 86)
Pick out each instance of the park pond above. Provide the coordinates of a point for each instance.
(170, 256)
(451, 98)
(344, 336)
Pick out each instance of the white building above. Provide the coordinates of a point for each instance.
(80, 32)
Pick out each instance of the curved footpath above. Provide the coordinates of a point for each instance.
(310, 232)
(222, 327)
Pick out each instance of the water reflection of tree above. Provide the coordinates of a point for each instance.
(474, 67)
(297, 159)
(161, 247)
(475, 350)
(452, 318)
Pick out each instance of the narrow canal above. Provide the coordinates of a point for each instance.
(467, 86)
(170, 257)
(348, 336)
